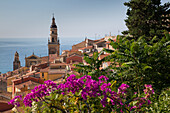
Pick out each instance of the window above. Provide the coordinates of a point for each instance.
(42, 75)
(52, 32)
(52, 39)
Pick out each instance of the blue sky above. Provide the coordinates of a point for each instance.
(74, 18)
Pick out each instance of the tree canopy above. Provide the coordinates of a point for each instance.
(147, 17)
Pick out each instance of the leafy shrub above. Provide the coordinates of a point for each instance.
(161, 105)
(84, 95)
(141, 62)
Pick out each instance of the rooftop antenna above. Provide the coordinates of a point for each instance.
(110, 34)
(118, 32)
(95, 36)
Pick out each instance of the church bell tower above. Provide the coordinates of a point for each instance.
(53, 42)
(16, 63)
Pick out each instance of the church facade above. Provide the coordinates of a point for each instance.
(32, 60)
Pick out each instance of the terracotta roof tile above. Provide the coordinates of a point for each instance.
(44, 70)
(6, 94)
(79, 43)
(101, 41)
(88, 47)
(27, 78)
(59, 81)
(108, 42)
(58, 64)
(102, 56)
(57, 71)
(15, 76)
(30, 73)
(27, 83)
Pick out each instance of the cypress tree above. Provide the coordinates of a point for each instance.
(147, 17)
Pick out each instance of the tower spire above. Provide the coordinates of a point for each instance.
(53, 25)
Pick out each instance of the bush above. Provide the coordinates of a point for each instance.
(84, 95)
(161, 105)
(141, 62)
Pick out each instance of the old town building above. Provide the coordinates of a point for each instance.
(32, 60)
(23, 85)
(16, 63)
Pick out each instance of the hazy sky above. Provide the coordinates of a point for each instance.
(74, 18)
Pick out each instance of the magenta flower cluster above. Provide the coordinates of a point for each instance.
(144, 100)
(148, 91)
(39, 92)
(15, 100)
(36, 94)
(85, 86)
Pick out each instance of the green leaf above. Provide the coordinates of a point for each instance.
(147, 67)
(134, 102)
(113, 83)
(128, 63)
(56, 96)
(114, 45)
(95, 56)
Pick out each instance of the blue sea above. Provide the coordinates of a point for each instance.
(26, 47)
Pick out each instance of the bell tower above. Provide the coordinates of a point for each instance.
(16, 62)
(53, 42)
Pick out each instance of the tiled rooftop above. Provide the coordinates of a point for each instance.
(45, 69)
(57, 71)
(5, 94)
(27, 83)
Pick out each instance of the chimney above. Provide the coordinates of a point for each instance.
(13, 91)
(39, 80)
(22, 80)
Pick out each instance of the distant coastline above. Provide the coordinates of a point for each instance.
(26, 46)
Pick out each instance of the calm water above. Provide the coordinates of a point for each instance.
(8, 47)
